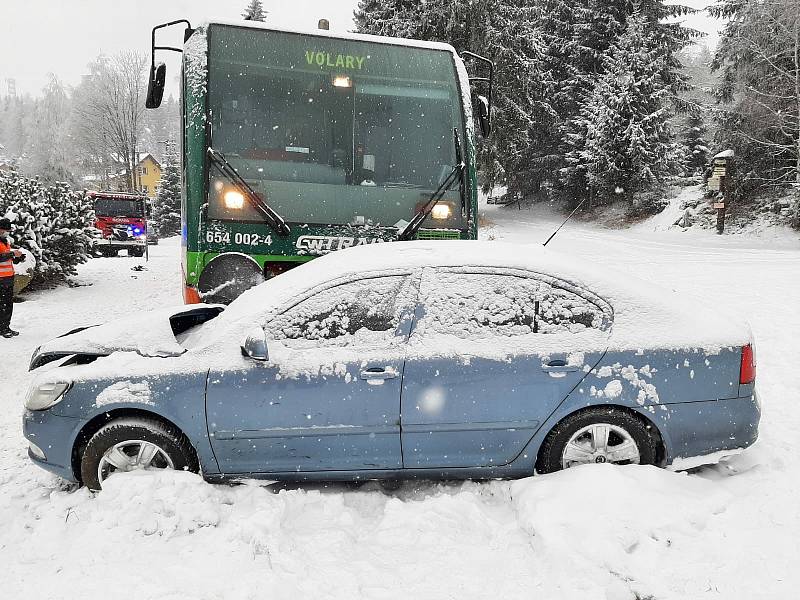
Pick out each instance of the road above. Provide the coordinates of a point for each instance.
(729, 531)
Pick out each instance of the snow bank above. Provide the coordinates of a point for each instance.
(628, 532)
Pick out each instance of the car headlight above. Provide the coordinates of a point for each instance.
(45, 395)
(441, 211)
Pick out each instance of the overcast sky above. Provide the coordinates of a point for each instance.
(38, 37)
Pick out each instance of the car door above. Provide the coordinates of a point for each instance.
(328, 398)
(492, 353)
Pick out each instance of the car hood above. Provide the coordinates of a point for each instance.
(151, 334)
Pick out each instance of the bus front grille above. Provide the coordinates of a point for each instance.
(438, 234)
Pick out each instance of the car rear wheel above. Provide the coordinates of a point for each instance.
(136, 252)
(134, 444)
(598, 435)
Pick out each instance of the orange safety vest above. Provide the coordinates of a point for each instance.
(6, 266)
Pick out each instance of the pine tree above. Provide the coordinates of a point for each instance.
(50, 154)
(255, 11)
(758, 56)
(695, 138)
(620, 142)
(578, 37)
(54, 223)
(167, 211)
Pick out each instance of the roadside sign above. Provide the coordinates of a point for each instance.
(713, 184)
(719, 205)
(719, 172)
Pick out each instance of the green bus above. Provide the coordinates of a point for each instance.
(296, 144)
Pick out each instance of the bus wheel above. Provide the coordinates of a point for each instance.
(137, 252)
(227, 276)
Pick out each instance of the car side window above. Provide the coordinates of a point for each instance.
(484, 304)
(363, 311)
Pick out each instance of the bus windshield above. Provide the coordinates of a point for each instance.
(114, 207)
(332, 131)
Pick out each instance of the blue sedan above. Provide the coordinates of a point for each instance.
(419, 359)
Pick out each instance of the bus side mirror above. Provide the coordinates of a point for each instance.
(155, 87)
(484, 118)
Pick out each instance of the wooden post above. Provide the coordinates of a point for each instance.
(719, 182)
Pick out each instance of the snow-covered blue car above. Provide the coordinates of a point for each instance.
(419, 359)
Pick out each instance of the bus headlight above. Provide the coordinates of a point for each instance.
(234, 200)
(441, 211)
(45, 395)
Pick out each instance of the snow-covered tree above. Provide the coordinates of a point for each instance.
(54, 223)
(255, 11)
(51, 150)
(15, 113)
(109, 110)
(167, 209)
(620, 142)
(160, 124)
(695, 137)
(759, 58)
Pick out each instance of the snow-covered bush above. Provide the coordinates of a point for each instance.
(54, 223)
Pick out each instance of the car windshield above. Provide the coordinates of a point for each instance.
(333, 131)
(113, 207)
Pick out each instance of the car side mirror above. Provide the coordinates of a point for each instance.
(255, 346)
(155, 86)
(484, 119)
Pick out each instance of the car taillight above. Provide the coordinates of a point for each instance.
(747, 372)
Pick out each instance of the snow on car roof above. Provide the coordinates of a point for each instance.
(646, 315)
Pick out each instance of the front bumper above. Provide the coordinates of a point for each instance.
(131, 243)
(53, 435)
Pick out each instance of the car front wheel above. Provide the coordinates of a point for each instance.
(133, 444)
(598, 435)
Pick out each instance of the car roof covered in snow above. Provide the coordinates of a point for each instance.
(646, 315)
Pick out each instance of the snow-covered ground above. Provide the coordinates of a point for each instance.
(595, 532)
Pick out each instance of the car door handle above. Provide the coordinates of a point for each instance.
(559, 366)
(378, 373)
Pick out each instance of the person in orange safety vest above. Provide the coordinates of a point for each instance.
(7, 258)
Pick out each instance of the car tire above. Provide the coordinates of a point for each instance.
(622, 427)
(173, 449)
(136, 252)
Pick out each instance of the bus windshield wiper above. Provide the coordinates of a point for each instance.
(457, 174)
(270, 217)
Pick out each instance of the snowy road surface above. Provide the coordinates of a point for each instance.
(598, 532)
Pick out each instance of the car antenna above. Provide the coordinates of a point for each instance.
(552, 235)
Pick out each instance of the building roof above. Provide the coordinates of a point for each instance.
(144, 157)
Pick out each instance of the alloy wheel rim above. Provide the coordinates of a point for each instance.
(133, 455)
(600, 443)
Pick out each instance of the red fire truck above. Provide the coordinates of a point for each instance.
(122, 221)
